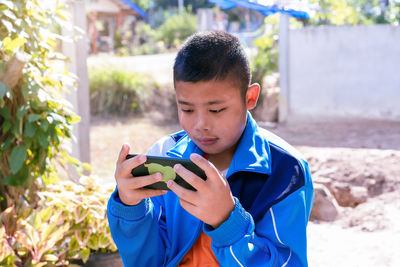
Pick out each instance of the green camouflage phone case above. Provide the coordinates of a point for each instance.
(165, 166)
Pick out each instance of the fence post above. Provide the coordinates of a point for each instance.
(284, 103)
(77, 51)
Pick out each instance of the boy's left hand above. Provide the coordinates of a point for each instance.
(213, 201)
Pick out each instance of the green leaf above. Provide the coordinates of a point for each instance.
(44, 125)
(8, 180)
(104, 241)
(37, 221)
(8, 13)
(5, 112)
(43, 140)
(82, 236)
(84, 254)
(17, 158)
(8, 3)
(6, 126)
(16, 128)
(19, 178)
(13, 44)
(34, 117)
(27, 142)
(73, 244)
(93, 242)
(25, 90)
(3, 89)
(46, 213)
(21, 111)
(50, 257)
(8, 25)
(7, 143)
(29, 129)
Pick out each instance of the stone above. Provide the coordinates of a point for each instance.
(325, 207)
(348, 195)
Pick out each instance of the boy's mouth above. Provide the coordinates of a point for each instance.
(207, 141)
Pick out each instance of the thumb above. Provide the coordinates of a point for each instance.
(123, 153)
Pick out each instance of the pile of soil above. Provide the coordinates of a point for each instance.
(362, 155)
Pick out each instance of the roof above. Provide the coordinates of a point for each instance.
(294, 8)
(114, 7)
(134, 7)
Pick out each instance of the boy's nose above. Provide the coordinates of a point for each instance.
(202, 124)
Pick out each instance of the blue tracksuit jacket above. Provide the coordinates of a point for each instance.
(273, 193)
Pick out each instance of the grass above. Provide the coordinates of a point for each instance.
(108, 135)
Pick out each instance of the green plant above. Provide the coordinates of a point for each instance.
(69, 224)
(32, 237)
(145, 40)
(83, 207)
(144, 33)
(336, 12)
(118, 91)
(118, 42)
(34, 118)
(265, 59)
(355, 12)
(177, 28)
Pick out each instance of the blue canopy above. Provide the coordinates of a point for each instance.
(265, 10)
(134, 8)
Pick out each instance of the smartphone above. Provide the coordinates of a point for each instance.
(165, 166)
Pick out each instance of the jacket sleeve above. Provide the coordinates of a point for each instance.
(278, 239)
(138, 232)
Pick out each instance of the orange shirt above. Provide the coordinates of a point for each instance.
(200, 254)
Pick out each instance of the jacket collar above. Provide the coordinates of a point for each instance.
(252, 153)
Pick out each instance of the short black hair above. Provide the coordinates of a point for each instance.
(213, 55)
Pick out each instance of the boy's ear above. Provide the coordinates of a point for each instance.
(252, 95)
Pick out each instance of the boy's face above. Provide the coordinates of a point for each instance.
(213, 114)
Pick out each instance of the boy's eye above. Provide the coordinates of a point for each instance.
(187, 110)
(216, 110)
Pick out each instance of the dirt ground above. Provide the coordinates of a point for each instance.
(346, 151)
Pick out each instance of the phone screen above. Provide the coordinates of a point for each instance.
(165, 166)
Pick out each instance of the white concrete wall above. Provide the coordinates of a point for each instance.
(344, 72)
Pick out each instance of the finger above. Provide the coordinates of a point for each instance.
(194, 180)
(183, 193)
(205, 165)
(123, 153)
(128, 165)
(189, 207)
(141, 181)
(146, 193)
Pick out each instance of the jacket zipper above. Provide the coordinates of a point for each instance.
(183, 253)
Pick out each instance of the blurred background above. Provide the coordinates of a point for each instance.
(78, 78)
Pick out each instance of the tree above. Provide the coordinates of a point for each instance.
(355, 12)
(35, 119)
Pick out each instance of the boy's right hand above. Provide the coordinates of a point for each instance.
(130, 189)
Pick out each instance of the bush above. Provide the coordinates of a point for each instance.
(177, 28)
(119, 91)
(34, 118)
(69, 224)
(265, 59)
(146, 41)
(143, 42)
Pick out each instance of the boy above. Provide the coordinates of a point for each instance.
(254, 206)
